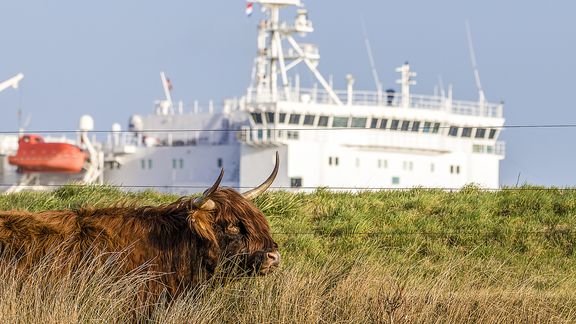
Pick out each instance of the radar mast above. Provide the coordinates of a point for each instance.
(272, 61)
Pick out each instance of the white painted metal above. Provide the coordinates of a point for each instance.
(12, 82)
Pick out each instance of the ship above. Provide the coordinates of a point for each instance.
(326, 138)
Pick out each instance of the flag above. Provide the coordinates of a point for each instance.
(249, 9)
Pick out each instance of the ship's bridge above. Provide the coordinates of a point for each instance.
(430, 125)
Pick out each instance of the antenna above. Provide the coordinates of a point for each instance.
(441, 85)
(482, 97)
(372, 64)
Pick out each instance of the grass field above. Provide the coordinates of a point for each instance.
(382, 257)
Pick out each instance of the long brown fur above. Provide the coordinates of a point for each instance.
(183, 243)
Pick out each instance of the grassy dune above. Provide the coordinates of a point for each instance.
(382, 257)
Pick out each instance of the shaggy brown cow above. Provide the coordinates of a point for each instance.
(185, 240)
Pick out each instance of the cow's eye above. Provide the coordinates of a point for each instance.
(231, 229)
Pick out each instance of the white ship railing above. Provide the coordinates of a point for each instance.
(372, 98)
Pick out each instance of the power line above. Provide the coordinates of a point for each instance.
(454, 189)
(64, 131)
(430, 233)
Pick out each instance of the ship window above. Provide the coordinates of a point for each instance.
(466, 132)
(257, 118)
(455, 169)
(405, 125)
(374, 123)
(333, 160)
(395, 180)
(431, 167)
(492, 134)
(383, 123)
(408, 165)
(292, 135)
(270, 117)
(357, 162)
(295, 182)
(382, 163)
(426, 128)
(453, 131)
(220, 163)
(173, 163)
(340, 122)
(478, 148)
(181, 163)
(415, 126)
(143, 164)
(359, 122)
(282, 118)
(294, 119)
(480, 133)
(149, 164)
(436, 128)
(394, 124)
(323, 121)
(489, 149)
(309, 119)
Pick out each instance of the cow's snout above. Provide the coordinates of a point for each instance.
(271, 262)
(273, 258)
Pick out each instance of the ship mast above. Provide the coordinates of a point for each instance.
(272, 61)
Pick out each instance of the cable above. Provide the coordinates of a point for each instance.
(308, 188)
(542, 126)
(407, 189)
(427, 233)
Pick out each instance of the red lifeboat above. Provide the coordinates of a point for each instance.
(35, 155)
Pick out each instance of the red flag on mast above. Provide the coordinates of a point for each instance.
(249, 8)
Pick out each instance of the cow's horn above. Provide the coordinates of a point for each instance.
(251, 194)
(204, 202)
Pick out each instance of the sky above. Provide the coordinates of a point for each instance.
(103, 58)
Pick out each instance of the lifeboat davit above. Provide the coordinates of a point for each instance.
(35, 155)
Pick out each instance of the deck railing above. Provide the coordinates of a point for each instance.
(373, 98)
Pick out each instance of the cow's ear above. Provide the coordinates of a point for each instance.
(201, 223)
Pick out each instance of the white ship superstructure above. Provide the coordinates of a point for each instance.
(340, 139)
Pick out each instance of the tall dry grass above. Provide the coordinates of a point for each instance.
(337, 292)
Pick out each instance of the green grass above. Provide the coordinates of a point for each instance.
(388, 256)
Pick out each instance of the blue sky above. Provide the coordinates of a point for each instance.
(103, 58)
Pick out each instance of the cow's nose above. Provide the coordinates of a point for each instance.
(274, 257)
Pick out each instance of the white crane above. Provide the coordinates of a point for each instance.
(12, 82)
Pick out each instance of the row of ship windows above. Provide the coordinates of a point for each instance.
(148, 164)
(296, 182)
(375, 123)
(332, 161)
(383, 164)
(176, 164)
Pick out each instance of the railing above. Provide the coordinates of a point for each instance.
(373, 98)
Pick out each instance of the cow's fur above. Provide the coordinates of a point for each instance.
(184, 243)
